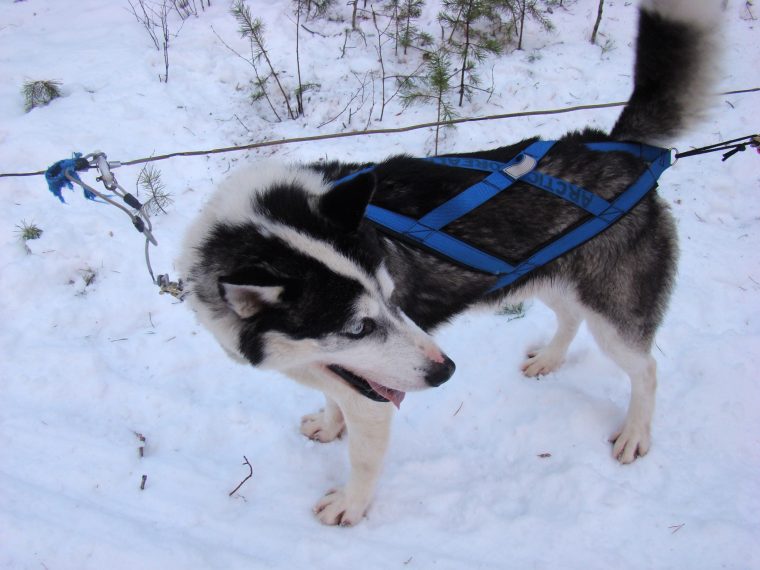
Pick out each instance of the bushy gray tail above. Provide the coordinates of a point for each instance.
(676, 55)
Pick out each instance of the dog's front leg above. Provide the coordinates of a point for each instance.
(368, 424)
(325, 425)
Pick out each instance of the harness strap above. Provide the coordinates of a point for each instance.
(481, 192)
(441, 242)
(660, 161)
(427, 230)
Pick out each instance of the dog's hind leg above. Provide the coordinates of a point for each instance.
(633, 438)
(324, 425)
(368, 424)
(567, 310)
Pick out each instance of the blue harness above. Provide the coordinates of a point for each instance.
(428, 232)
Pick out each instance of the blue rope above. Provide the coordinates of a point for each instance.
(56, 176)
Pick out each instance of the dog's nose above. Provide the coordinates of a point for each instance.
(439, 372)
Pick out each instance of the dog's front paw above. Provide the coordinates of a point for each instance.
(542, 361)
(336, 508)
(322, 427)
(629, 443)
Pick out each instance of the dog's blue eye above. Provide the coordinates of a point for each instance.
(361, 328)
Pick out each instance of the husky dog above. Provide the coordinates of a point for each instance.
(287, 273)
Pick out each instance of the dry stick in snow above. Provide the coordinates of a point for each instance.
(146, 21)
(359, 92)
(143, 443)
(598, 21)
(250, 474)
(299, 92)
(380, 44)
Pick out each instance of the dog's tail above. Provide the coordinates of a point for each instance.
(676, 55)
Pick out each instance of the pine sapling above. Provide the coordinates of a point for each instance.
(410, 34)
(40, 93)
(316, 8)
(471, 43)
(253, 30)
(149, 180)
(432, 86)
(522, 10)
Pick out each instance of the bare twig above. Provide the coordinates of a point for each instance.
(299, 91)
(146, 21)
(142, 440)
(598, 21)
(380, 44)
(359, 91)
(242, 123)
(250, 474)
(164, 18)
(142, 482)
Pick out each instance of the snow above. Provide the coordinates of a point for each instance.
(467, 482)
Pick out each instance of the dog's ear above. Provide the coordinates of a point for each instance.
(250, 292)
(344, 204)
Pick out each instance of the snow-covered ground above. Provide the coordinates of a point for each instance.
(491, 470)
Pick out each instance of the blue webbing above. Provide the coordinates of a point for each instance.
(427, 230)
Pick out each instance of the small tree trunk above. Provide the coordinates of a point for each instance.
(598, 21)
(382, 62)
(277, 80)
(438, 126)
(408, 26)
(299, 95)
(522, 22)
(464, 60)
(165, 29)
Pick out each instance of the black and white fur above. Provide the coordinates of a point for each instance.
(288, 275)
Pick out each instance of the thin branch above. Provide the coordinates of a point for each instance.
(250, 474)
(360, 90)
(259, 80)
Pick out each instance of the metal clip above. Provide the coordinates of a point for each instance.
(100, 161)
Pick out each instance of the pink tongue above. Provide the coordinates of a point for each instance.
(395, 396)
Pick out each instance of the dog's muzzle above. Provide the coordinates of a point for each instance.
(439, 372)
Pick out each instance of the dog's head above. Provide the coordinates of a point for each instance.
(287, 275)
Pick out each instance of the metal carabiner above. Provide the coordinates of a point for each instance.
(99, 160)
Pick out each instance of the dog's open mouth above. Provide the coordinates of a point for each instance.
(368, 388)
